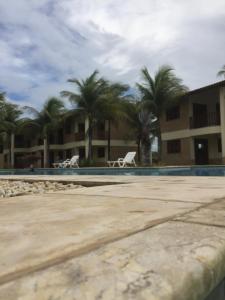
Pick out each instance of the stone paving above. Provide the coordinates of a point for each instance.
(9, 188)
(144, 238)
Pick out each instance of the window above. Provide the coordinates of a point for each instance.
(68, 127)
(60, 155)
(174, 146)
(173, 113)
(68, 153)
(28, 143)
(81, 153)
(51, 139)
(60, 136)
(1, 148)
(101, 152)
(219, 145)
(81, 128)
(51, 157)
(100, 126)
(19, 141)
(40, 142)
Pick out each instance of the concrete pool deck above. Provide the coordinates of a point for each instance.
(155, 238)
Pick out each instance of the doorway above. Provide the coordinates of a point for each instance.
(201, 152)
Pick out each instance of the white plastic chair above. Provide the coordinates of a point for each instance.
(128, 160)
(71, 163)
(60, 164)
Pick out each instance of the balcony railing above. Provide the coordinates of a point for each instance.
(79, 136)
(205, 120)
(97, 135)
(100, 135)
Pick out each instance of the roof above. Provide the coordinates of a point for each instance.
(214, 85)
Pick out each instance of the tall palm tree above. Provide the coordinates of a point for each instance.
(93, 99)
(2, 105)
(160, 91)
(2, 96)
(46, 121)
(112, 110)
(221, 72)
(143, 127)
(9, 125)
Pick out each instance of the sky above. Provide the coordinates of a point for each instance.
(43, 43)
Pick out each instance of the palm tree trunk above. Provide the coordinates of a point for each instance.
(146, 152)
(90, 131)
(151, 153)
(12, 150)
(139, 151)
(159, 145)
(159, 136)
(109, 140)
(45, 152)
(9, 152)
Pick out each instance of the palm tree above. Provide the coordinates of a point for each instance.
(9, 125)
(94, 100)
(46, 121)
(221, 72)
(112, 110)
(142, 123)
(2, 105)
(2, 96)
(159, 92)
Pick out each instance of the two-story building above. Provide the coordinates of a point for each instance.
(193, 132)
(69, 140)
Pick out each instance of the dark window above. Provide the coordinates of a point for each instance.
(101, 152)
(174, 146)
(51, 139)
(40, 142)
(101, 126)
(1, 148)
(60, 137)
(19, 141)
(51, 157)
(68, 127)
(219, 145)
(173, 113)
(60, 155)
(28, 143)
(81, 127)
(5, 158)
(81, 153)
(217, 113)
(68, 153)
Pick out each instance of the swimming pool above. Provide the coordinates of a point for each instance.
(162, 171)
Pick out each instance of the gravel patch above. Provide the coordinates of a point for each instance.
(10, 188)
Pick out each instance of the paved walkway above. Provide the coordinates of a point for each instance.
(144, 238)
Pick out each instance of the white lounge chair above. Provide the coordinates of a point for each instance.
(71, 163)
(59, 164)
(128, 160)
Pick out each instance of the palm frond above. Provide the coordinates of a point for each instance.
(221, 72)
(159, 91)
(31, 110)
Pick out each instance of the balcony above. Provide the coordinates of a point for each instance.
(79, 136)
(100, 135)
(205, 120)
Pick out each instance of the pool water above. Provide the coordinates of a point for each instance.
(163, 171)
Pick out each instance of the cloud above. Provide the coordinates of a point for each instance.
(45, 42)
